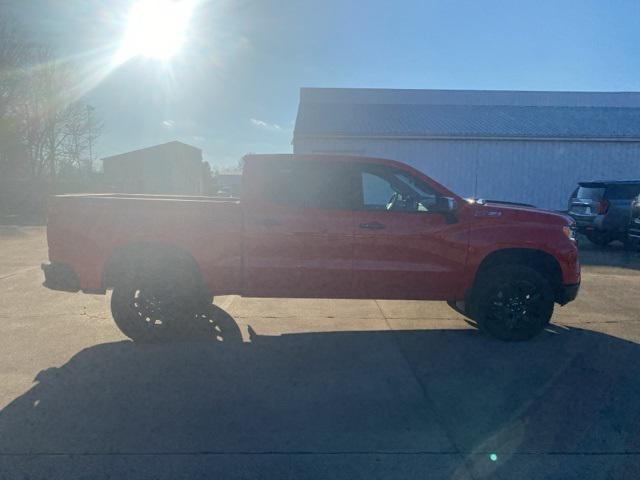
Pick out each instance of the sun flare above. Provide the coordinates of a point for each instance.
(156, 29)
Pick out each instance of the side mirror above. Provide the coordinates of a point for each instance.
(447, 206)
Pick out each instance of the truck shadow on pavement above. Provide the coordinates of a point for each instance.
(416, 394)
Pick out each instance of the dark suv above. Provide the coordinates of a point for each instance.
(634, 223)
(601, 209)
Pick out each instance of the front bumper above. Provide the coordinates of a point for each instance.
(60, 276)
(567, 293)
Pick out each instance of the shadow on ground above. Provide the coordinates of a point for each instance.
(31, 220)
(11, 231)
(379, 403)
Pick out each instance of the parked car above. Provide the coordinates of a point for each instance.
(601, 209)
(634, 223)
(314, 226)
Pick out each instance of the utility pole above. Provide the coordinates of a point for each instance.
(90, 133)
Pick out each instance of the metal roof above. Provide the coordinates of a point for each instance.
(594, 183)
(163, 147)
(444, 114)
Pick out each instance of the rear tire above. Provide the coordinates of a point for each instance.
(601, 239)
(159, 304)
(512, 302)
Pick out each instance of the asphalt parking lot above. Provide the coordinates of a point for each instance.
(318, 389)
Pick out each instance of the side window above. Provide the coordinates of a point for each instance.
(622, 191)
(377, 192)
(386, 188)
(308, 184)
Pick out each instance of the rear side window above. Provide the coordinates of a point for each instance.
(590, 193)
(622, 192)
(309, 184)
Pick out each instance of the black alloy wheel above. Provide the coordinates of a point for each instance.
(513, 303)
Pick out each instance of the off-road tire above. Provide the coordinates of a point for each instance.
(454, 306)
(155, 304)
(512, 302)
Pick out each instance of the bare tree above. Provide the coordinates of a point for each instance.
(80, 130)
(14, 54)
(43, 125)
(57, 130)
(38, 112)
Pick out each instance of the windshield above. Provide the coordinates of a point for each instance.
(423, 196)
(420, 189)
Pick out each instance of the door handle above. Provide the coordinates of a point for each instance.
(372, 225)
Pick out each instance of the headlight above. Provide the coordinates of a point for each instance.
(570, 232)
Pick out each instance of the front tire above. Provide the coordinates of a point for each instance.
(512, 302)
(458, 307)
(601, 239)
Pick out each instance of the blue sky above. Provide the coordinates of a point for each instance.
(234, 87)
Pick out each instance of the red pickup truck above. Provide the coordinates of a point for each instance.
(314, 226)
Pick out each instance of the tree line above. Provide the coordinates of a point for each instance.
(47, 130)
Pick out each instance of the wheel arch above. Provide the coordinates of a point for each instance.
(128, 258)
(539, 260)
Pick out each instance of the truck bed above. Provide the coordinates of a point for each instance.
(140, 196)
(85, 230)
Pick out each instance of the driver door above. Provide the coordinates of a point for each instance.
(401, 249)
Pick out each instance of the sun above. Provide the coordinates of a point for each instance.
(155, 29)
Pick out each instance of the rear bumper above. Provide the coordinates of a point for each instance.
(60, 276)
(602, 223)
(588, 226)
(567, 293)
(583, 221)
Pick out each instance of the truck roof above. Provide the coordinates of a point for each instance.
(316, 156)
(604, 183)
(326, 157)
(348, 158)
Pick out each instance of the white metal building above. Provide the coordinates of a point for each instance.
(530, 147)
(173, 168)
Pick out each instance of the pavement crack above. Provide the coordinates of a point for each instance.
(13, 274)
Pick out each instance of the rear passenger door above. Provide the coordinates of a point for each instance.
(299, 234)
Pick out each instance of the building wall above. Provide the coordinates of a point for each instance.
(164, 169)
(543, 173)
